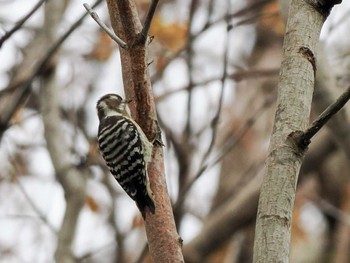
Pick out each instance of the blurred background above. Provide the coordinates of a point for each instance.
(214, 66)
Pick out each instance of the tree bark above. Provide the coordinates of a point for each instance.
(297, 77)
(163, 240)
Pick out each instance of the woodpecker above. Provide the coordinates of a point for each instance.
(125, 149)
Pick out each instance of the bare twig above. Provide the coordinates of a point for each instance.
(105, 28)
(119, 237)
(238, 211)
(233, 140)
(24, 91)
(34, 207)
(221, 228)
(59, 42)
(244, 11)
(228, 146)
(148, 20)
(86, 257)
(235, 76)
(333, 211)
(214, 124)
(20, 23)
(113, 219)
(184, 159)
(304, 138)
(189, 51)
(215, 121)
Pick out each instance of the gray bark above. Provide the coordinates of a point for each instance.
(297, 77)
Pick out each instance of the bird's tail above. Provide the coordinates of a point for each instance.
(146, 202)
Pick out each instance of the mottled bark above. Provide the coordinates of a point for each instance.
(297, 77)
(163, 240)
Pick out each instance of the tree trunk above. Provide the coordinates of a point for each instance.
(297, 77)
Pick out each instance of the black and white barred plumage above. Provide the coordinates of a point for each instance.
(126, 149)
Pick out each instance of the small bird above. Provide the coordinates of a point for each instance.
(126, 150)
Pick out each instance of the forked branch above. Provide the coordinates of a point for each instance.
(104, 27)
(148, 21)
(304, 139)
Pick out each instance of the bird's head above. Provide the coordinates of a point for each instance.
(112, 104)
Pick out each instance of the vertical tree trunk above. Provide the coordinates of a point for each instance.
(163, 240)
(297, 77)
(71, 180)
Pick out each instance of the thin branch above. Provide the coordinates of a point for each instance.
(189, 60)
(20, 23)
(304, 138)
(215, 121)
(87, 257)
(119, 237)
(236, 76)
(113, 219)
(233, 140)
(105, 28)
(234, 214)
(24, 91)
(244, 11)
(210, 13)
(334, 211)
(34, 207)
(229, 144)
(148, 20)
(183, 159)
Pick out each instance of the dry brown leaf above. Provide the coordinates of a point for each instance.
(172, 36)
(270, 21)
(17, 117)
(92, 204)
(103, 48)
